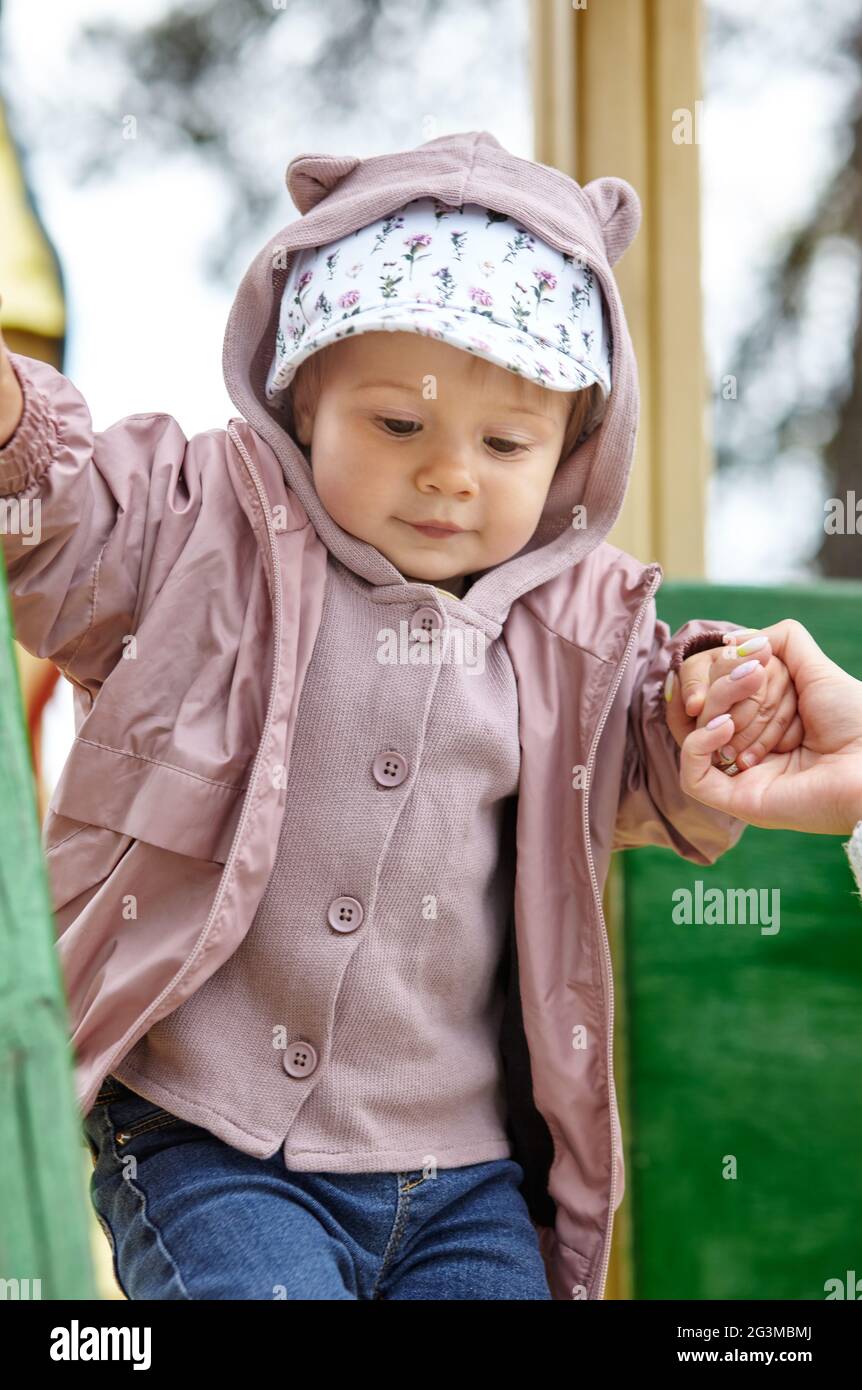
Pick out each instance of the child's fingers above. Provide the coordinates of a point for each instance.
(679, 723)
(726, 659)
(694, 697)
(727, 691)
(764, 734)
(698, 672)
(685, 689)
(693, 677)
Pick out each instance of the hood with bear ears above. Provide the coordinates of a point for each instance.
(337, 194)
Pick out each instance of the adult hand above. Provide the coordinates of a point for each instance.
(818, 786)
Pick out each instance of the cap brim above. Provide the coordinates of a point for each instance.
(471, 331)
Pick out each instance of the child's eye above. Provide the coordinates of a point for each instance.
(495, 441)
(389, 420)
(404, 429)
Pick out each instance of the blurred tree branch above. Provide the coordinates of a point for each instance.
(224, 79)
(775, 412)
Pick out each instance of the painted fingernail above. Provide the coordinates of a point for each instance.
(753, 645)
(719, 719)
(727, 753)
(747, 759)
(668, 686)
(745, 669)
(735, 636)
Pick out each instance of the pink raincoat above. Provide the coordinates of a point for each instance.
(178, 584)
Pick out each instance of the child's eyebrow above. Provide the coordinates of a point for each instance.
(402, 386)
(396, 385)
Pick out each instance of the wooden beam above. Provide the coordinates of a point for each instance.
(616, 89)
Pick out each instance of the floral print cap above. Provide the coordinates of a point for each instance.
(468, 275)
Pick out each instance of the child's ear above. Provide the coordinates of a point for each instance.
(309, 177)
(618, 210)
(301, 425)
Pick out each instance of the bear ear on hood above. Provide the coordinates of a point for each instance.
(309, 177)
(618, 211)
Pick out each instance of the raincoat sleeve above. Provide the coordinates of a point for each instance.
(88, 518)
(653, 809)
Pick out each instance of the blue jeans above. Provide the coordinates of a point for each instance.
(195, 1218)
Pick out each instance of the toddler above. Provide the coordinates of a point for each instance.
(363, 703)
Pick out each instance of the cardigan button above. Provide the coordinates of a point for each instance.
(345, 914)
(425, 621)
(389, 768)
(300, 1059)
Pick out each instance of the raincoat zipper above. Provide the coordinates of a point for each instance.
(277, 618)
(609, 983)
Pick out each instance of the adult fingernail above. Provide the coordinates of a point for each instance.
(734, 636)
(727, 753)
(668, 686)
(753, 645)
(718, 719)
(739, 671)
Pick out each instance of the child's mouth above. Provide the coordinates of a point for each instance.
(440, 532)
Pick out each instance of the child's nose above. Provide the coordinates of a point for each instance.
(452, 473)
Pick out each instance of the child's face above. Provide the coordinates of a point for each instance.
(480, 453)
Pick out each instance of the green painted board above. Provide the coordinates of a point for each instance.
(44, 1234)
(745, 1046)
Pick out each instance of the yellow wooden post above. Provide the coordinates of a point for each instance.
(33, 318)
(617, 90)
(617, 86)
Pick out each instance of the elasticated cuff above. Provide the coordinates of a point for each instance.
(702, 642)
(853, 850)
(24, 457)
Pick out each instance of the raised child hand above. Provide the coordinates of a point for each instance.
(11, 395)
(767, 721)
(688, 689)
